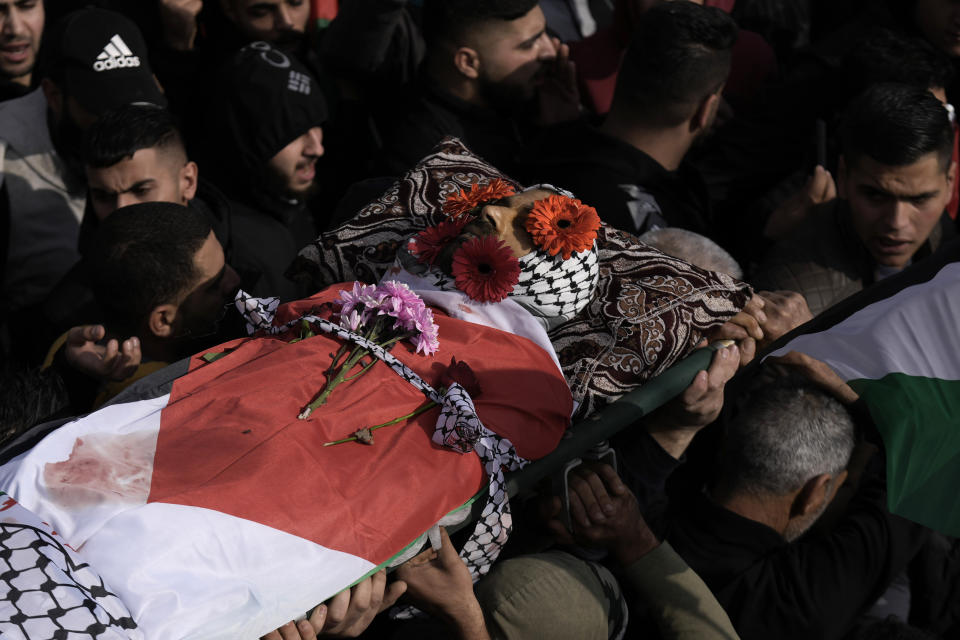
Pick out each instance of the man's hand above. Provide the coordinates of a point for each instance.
(784, 311)
(676, 423)
(439, 583)
(605, 514)
(303, 630)
(818, 373)
(179, 19)
(113, 361)
(558, 96)
(352, 610)
(819, 188)
(745, 328)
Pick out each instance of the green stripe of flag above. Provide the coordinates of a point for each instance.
(919, 419)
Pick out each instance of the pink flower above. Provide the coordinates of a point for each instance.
(427, 342)
(351, 320)
(401, 292)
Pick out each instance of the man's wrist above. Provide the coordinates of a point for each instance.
(635, 546)
(673, 440)
(467, 620)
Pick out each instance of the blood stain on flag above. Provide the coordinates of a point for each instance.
(103, 468)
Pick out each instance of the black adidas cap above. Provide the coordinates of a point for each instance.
(100, 58)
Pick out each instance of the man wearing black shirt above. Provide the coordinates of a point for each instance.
(485, 65)
(668, 92)
(783, 460)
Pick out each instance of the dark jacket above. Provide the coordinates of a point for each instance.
(630, 190)
(426, 114)
(264, 240)
(812, 588)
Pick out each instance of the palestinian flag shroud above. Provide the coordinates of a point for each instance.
(214, 512)
(898, 347)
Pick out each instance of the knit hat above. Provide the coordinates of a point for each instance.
(269, 100)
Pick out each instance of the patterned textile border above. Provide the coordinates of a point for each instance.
(649, 311)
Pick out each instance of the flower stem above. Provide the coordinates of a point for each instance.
(328, 388)
(430, 404)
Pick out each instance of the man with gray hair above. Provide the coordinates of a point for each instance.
(784, 458)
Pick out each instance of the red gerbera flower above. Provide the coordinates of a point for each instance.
(428, 244)
(485, 269)
(560, 224)
(464, 201)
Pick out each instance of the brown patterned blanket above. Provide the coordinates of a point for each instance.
(649, 310)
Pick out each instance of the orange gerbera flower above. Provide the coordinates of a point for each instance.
(562, 225)
(463, 202)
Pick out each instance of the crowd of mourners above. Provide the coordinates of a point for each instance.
(157, 156)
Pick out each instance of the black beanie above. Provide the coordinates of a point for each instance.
(270, 100)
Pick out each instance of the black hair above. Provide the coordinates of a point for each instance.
(896, 125)
(29, 396)
(450, 20)
(144, 256)
(884, 55)
(120, 133)
(680, 53)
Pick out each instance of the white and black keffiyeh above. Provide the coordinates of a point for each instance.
(47, 589)
(554, 289)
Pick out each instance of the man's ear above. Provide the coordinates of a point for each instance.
(189, 174)
(467, 62)
(54, 97)
(951, 176)
(813, 495)
(161, 319)
(706, 112)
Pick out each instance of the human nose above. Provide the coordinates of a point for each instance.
(498, 217)
(125, 200)
(898, 216)
(283, 19)
(547, 47)
(12, 23)
(313, 145)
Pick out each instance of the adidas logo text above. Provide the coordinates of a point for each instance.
(115, 55)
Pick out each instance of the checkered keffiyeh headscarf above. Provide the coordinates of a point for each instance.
(556, 289)
(553, 288)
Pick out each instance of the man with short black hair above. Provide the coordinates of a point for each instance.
(667, 96)
(135, 154)
(21, 27)
(896, 177)
(485, 64)
(158, 273)
(96, 61)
